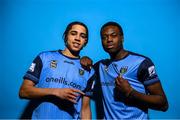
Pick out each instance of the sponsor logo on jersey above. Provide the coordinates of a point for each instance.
(81, 72)
(111, 83)
(53, 64)
(151, 71)
(31, 68)
(62, 80)
(69, 62)
(123, 70)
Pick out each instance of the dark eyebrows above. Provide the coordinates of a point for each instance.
(73, 31)
(76, 32)
(112, 32)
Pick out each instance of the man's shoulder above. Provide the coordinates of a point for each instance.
(103, 61)
(48, 52)
(141, 58)
(139, 55)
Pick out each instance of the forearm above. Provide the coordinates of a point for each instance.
(31, 92)
(155, 99)
(85, 110)
(86, 113)
(157, 102)
(28, 90)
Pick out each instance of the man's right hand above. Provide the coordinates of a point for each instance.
(69, 94)
(123, 86)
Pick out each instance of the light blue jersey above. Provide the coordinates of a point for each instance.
(54, 70)
(138, 70)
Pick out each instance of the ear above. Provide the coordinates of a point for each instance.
(122, 39)
(85, 43)
(66, 43)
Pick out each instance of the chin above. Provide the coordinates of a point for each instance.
(110, 51)
(76, 49)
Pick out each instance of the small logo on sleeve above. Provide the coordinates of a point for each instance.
(53, 64)
(151, 71)
(106, 68)
(31, 68)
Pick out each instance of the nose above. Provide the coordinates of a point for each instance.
(109, 38)
(77, 38)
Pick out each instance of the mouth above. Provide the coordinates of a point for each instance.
(75, 44)
(109, 46)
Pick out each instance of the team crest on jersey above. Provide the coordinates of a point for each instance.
(53, 64)
(123, 70)
(81, 72)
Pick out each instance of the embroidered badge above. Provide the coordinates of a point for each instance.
(53, 64)
(123, 70)
(81, 72)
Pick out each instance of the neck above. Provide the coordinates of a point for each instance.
(119, 55)
(70, 53)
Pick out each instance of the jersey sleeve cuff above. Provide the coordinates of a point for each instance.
(150, 82)
(30, 77)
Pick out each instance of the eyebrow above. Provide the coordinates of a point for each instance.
(73, 31)
(77, 31)
(109, 33)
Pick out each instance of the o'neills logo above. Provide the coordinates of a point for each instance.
(53, 64)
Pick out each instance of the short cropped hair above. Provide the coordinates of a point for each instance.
(111, 23)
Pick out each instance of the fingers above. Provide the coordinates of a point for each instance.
(72, 98)
(123, 86)
(118, 80)
(74, 94)
(89, 62)
(87, 66)
(78, 91)
(86, 63)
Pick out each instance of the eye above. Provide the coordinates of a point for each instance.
(113, 34)
(104, 37)
(73, 32)
(83, 35)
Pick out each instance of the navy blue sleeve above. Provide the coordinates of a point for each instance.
(34, 70)
(90, 86)
(146, 72)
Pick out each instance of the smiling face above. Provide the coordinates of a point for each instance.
(112, 39)
(76, 38)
